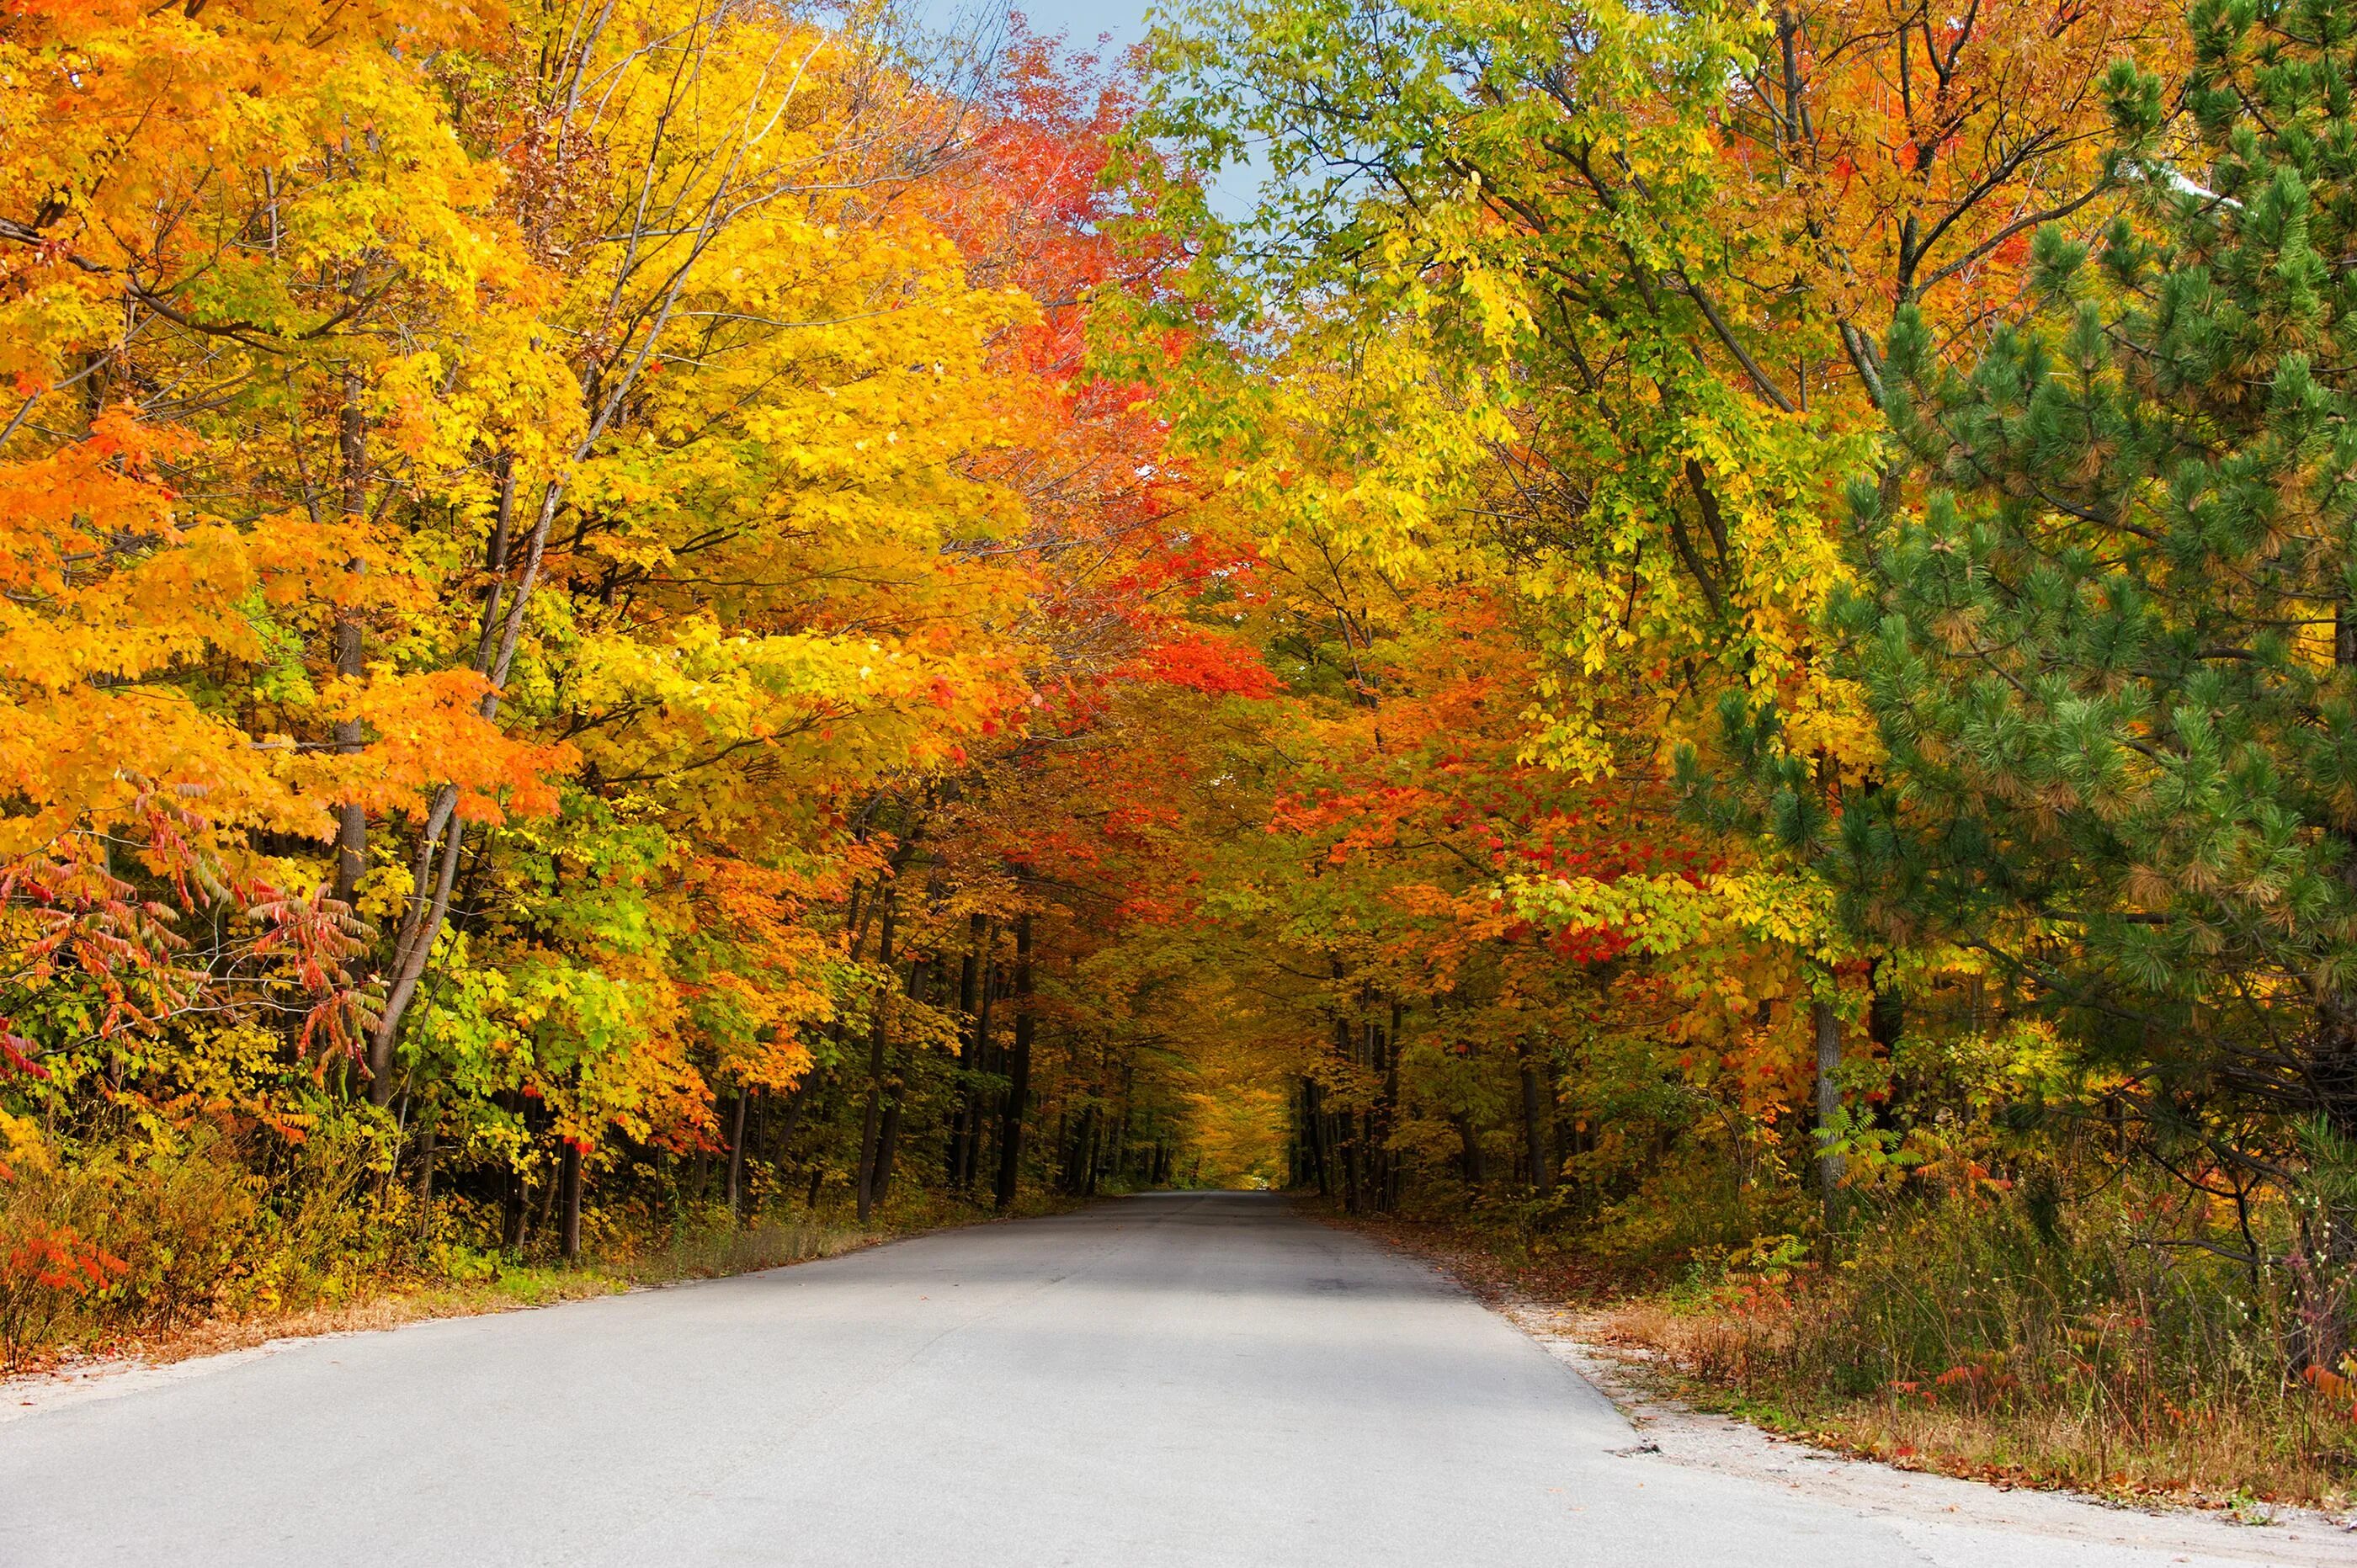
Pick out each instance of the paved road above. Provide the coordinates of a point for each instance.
(1198, 1379)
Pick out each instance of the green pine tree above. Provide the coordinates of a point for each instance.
(2114, 651)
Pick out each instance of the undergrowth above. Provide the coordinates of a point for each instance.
(163, 1241)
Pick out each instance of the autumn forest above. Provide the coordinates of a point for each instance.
(1710, 649)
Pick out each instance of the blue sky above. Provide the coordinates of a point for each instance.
(1083, 21)
(1086, 18)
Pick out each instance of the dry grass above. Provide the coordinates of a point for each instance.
(2228, 1455)
(470, 1284)
(505, 1287)
(154, 1243)
(769, 1244)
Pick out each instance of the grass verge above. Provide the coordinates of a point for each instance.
(470, 1284)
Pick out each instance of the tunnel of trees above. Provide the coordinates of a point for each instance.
(1705, 633)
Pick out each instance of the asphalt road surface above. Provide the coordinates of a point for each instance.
(1177, 1378)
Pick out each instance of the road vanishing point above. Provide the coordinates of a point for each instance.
(1169, 1379)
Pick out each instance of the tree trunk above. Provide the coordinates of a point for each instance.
(1019, 1076)
(570, 1243)
(1077, 1166)
(888, 1141)
(1116, 1153)
(988, 1058)
(1535, 1119)
(791, 1121)
(1826, 1022)
(1469, 1130)
(351, 818)
(1315, 1118)
(513, 1210)
(878, 1043)
(538, 1223)
(735, 1190)
(425, 1167)
(517, 1197)
(968, 1125)
(1350, 1123)
(613, 377)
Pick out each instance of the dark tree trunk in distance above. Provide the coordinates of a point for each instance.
(570, 1241)
(870, 1125)
(1018, 1072)
(1535, 1119)
(967, 1129)
(1826, 1025)
(737, 1154)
